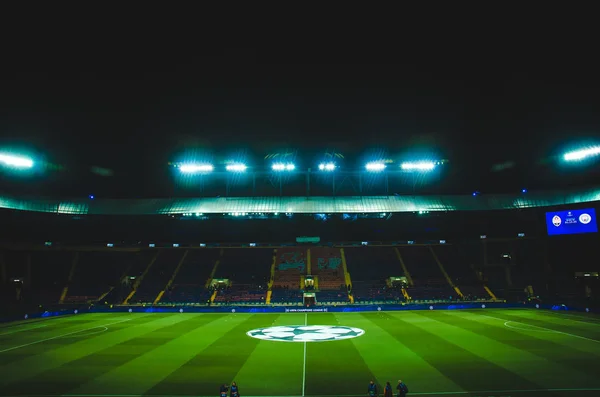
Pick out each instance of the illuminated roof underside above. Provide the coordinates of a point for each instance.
(301, 205)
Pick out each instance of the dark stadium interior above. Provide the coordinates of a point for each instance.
(178, 195)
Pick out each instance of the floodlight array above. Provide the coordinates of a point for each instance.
(582, 154)
(375, 167)
(418, 166)
(283, 167)
(327, 166)
(236, 167)
(196, 168)
(12, 161)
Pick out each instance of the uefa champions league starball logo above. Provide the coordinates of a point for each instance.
(556, 221)
(306, 333)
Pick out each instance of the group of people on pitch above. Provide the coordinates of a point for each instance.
(401, 389)
(233, 390)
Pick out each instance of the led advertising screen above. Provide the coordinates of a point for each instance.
(571, 222)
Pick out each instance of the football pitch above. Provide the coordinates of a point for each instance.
(488, 352)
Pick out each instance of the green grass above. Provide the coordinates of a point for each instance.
(486, 352)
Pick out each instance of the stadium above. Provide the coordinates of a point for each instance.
(471, 294)
(179, 213)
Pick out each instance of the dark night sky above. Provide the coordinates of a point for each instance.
(132, 94)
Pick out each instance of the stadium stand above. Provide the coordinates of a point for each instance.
(95, 273)
(429, 282)
(189, 285)
(158, 275)
(463, 275)
(49, 275)
(123, 287)
(327, 267)
(248, 272)
(369, 268)
(290, 266)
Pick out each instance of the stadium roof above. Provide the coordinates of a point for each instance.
(302, 205)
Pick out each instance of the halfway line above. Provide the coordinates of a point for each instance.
(304, 365)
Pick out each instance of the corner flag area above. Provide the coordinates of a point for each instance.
(492, 352)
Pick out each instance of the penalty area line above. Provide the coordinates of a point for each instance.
(539, 328)
(22, 330)
(61, 336)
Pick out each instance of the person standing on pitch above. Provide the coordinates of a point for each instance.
(387, 391)
(372, 389)
(234, 391)
(223, 390)
(402, 389)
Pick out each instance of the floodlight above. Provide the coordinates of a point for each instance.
(327, 166)
(9, 160)
(582, 154)
(418, 166)
(375, 166)
(194, 168)
(238, 167)
(283, 167)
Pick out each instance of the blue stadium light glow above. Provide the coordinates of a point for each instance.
(418, 166)
(523, 190)
(15, 161)
(327, 166)
(238, 167)
(196, 168)
(375, 167)
(91, 196)
(283, 167)
(582, 154)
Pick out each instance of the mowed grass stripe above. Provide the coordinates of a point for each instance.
(40, 330)
(557, 367)
(563, 321)
(543, 324)
(274, 366)
(327, 363)
(74, 373)
(45, 340)
(467, 369)
(71, 350)
(226, 352)
(389, 359)
(521, 322)
(593, 318)
(136, 365)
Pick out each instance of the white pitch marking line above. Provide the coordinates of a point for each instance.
(450, 393)
(542, 328)
(591, 320)
(60, 336)
(304, 365)
(22, 330)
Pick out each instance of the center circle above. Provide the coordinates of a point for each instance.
(306, 333)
